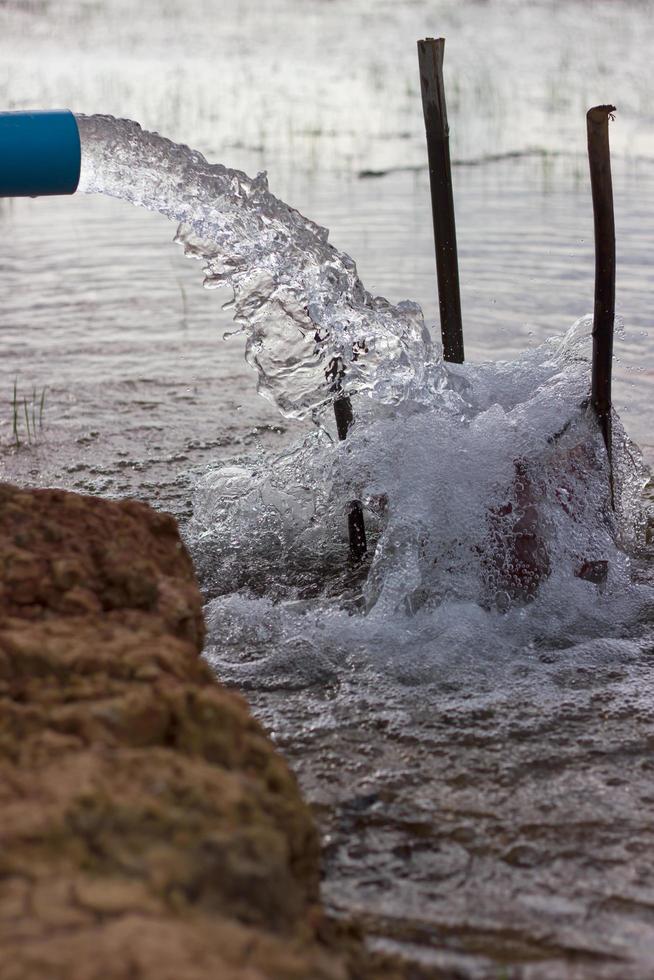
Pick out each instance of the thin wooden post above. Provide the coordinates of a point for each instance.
(430, 62)
(599, 157)
(355, 523)
(344, 415)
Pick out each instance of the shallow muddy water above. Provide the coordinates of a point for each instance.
(487, 804)
(494, 825)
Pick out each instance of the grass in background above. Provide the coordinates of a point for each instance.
(27, 415)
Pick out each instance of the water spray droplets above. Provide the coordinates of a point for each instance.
(484, 486)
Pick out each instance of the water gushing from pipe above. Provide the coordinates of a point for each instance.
(300, 300)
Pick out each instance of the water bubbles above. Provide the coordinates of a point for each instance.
(502, 601)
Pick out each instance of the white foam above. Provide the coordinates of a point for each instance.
(483, 510)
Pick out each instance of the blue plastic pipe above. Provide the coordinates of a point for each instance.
(40, 153)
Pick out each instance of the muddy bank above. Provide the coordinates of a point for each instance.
(149, 827)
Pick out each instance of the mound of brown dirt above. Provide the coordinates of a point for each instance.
(149, 828)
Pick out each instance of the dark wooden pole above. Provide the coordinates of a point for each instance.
(344, 415)
(597, 125)
(355, 523)
(430, 62)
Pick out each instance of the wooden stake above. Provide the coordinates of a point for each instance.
(430, 62)
(597, 125)
(355, 523)
(344, 415)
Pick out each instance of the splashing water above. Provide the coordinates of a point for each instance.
(499, 581)
(485, 486)
(311, 325)
(490, 517)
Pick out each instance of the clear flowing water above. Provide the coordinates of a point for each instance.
(311, 326)
(479, 758)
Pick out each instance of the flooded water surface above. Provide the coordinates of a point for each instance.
(469, 711)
